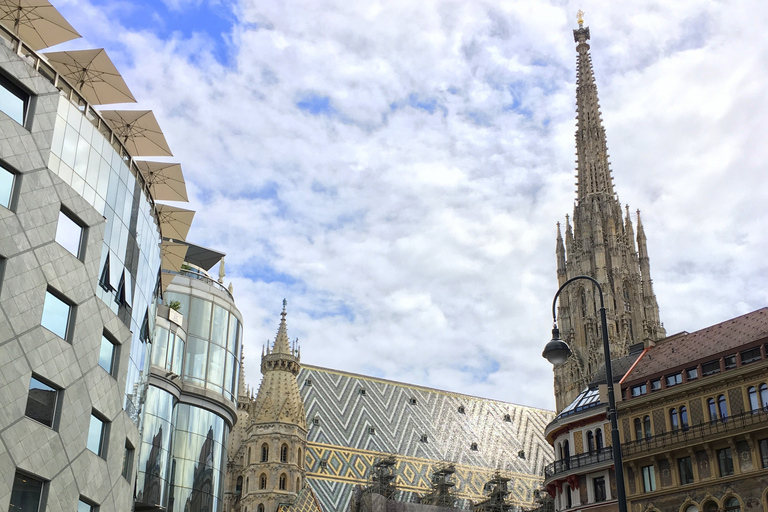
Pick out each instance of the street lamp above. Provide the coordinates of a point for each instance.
(557, 351)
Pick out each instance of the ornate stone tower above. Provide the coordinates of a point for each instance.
(267, 465)
(600, 244)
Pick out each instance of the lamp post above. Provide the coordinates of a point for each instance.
(557, 352)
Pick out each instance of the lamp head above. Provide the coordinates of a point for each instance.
(556, 351)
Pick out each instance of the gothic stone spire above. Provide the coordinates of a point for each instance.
(601, 247)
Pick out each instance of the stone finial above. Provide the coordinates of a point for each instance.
(222, 274)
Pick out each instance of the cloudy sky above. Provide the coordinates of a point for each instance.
(395, 169)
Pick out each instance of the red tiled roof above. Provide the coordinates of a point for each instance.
(686, 348)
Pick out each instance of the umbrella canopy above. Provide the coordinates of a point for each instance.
(138, 131)
(172, 255)
(165, 280)
(93, 75)
(166, 182)
(174, 222)
(36, 22)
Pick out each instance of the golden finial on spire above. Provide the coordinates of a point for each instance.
(580, 18)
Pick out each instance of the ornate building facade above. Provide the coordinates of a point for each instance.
(694, 420)
(601, 244)
(267, 467)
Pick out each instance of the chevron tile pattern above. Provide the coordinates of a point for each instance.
(354, 420)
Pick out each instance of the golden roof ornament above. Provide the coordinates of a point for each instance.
(580, 18)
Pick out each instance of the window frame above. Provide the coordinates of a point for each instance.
(12, 192)
(106, 336)
(21, 93)
(43, 494)
(55, 416)
(714, 368)
(128, 455)
(685, 470)
(603, 495)
(70, 322)
(82, 239)
(725, 461)
(730, 362)
(649, 478)
(103, 436)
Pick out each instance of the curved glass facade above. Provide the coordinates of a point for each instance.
(168, 349)
(199, 460)
(211, 356)
(154, 452)
(82, 156)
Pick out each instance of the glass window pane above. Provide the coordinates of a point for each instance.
(219, 325)
(159, 346)
(83, 506)
(183, 300)
(11, 103)
(199, 317)
(55, 315)
(195, 359)
(95, 435)
(216, 367)
(6, 187)
(41, 402)
(106, 354)
(178, 353)
(232, 337)
(25, 496)
(69, 234)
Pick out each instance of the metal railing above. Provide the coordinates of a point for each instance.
(578, 461)
(666, 440)
(196, 274)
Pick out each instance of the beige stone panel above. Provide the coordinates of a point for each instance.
(14, 383)
(35, 447)
(50, 356)
(75, 418)
(62, 493)
(91, 476)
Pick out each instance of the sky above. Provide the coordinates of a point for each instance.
(396, 169)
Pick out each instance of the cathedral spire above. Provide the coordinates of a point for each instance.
(593, 172)
(282, 345)
(560, 252)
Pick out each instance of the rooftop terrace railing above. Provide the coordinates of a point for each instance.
(684, 436)
(196, 274)
(581, 460)
(68, 91)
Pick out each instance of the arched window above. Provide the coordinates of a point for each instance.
(298, 484)
(732, 505)
(647, 426)
(566, 454)
(764, 395)
(673, 420)
(684, 417)
(263, 481)
(583, 303)
(590, 441)
(638, 429)
(261, 507)
(599, 439)
(284, 453)
(473, 447)
(239, 486)
(712, 410)
(246, 486)
(753, 403)
(300, 461)
(283, 480)
(710, 506)
(248, 460)
(722, 407)
(567, 495)
(264, 452)
(691, 508)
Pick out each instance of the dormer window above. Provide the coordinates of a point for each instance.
(308, 383)
(507, 418)
(362, 391)
(316, 420)
(372, 430)
(424, 438)
(461, 409)
(473, 447)
(412, 401)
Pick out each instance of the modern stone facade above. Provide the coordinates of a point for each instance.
(601, 245)
(73, 332)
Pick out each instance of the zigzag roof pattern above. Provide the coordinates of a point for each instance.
(392, 417)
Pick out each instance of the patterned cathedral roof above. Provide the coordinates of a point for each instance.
(355, 420)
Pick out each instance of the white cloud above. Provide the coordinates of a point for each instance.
(411, 224)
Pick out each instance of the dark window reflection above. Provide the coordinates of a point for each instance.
(41, 402)
(25, 496)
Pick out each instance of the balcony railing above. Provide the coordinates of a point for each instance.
(196, 274)
(578, 461)
(666, 440)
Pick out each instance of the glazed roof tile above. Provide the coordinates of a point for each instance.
(686, 348)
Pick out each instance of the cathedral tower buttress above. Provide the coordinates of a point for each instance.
(599, 244)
